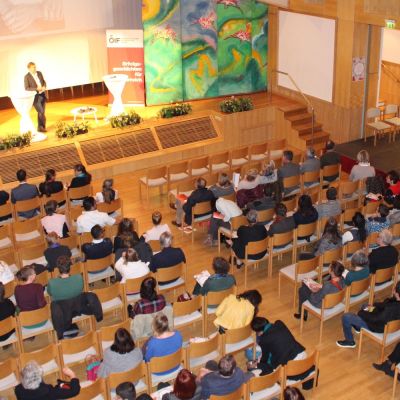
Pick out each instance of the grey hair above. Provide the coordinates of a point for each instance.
(252, 216)
(165, 240)
(310, 152)
(31, 375)
(363, 156)
(386, 237)
(359, 259)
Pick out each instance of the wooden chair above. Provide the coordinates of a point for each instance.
(219, 162)
(6, 210)
(155, 245)
(251, 249)
(177, 172)
(378, 127)
(79, 193)
(113, 207)
(9, 289)
(291, 182)
(235, 340)
(391, 117)
(275, 148)
(74, 351)
(332, 305)
(188, 312)
(85, 237)
(106, 334)
(6, 326)
(10, 256)
(7, 238)
(309, 180)
(396, 376)
(176, 273)
(356, 293)
(238, 394)
(298, 367)
(22, 206)
(156, 177)
(132, 289)
(350, 248)
(279, 244)
(235, 222)
(72, 242)
(199, 166)
(390, 335)
(205, 209)
(239, 157)
(29, 318)
(32, 254)
(48, 358)
(371, 240)
(60, 197)
(258, 152)
(183, 188)
(210, 303)
(112, 299)
(327, 258)
(290, 204)
(137, 375)
(265, 387)
(212, 179)
(198, 353)
(158, 365)
(314, 193)
(265, 216)
(349, 191)
(324, 189)
(371, 208)
(95, 391)
(382, 280)
(330, 170)
(28, 232)
(93, 268)
(73, 213)
(348, 215)
(111, 231)
(296, 273)
(306, 230)
(9, 374)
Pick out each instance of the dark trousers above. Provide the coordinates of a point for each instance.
(40, 106)
(304, 295)
(394, 356)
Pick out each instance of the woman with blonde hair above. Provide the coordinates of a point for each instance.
(363, 169)
(250, 181)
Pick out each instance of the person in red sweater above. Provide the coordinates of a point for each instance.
(28, 294)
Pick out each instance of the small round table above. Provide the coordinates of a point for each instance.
(84, 112)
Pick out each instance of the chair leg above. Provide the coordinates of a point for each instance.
(270, 258)
(279, 285)
(219, 242)
(301, 320)
(245, 276)
(295, 296)
(382, 359)
(321, 327)
(360, 344)
(396, 374)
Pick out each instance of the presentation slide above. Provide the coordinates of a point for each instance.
(65, 38)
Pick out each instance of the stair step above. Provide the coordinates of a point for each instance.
(303, 129)
(319, 138)
(298, 119)
(293, 109)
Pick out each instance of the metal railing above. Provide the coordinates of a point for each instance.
(390, 72)
(306, 99)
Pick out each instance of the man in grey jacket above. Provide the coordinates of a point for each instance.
(288, 169)
(24, 191)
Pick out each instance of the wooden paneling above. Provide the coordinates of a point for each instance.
(375, 12)
(326, 8)
(390, 83)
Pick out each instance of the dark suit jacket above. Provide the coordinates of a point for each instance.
(248, 234)
(197, 196)
(30, 83)
(94, 251)
(24, 191)
(167, 257)
(285, 225)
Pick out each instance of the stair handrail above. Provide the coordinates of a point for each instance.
(390, 72)
(307, 100)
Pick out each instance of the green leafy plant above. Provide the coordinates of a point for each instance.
(64, 130)
(175, 110)
(15, 140)
(236, 104)
(125, 119)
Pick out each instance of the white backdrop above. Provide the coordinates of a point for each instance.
(65, 38)
(307, 52)
(391, 45)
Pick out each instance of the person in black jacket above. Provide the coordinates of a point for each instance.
(390, 363)
(385, 256)
(81, 178)
(55, 251)
(278, 345)
(281, 223)
(330, 157)
(100, 247)
(4, 197)
(32, 386)
(7, 309)
(199, 195)
(373, 318)
(50, 185)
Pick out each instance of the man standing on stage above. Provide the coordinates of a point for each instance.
(34, 82)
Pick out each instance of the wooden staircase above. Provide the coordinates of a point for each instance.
(300, 121)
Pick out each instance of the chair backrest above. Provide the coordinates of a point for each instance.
(348, 188)
(282, 239)
(109, 292)
(6, 232)
(95, 389)
(391, 109)
(181, 308)
(290, 204)
(265, 215)
(291, 181)
(170, 273)
(278, 144)
(348, 213)
(231, 197)
(396, 230)
(220, 158)
(201, 349)
(256, 247)
(133, 375)
(201, 162)
(306, 266)
(310, 229)
(155, 245)
(330, 170)
(27, 226)
(165, 363)
(9, 367)
(9, 256)
(71, 241)
(185, 186)
(261, 148)
(352, 247)
(177, 168)
(109, 208)
(372, 238)
(6, 209)
(358, 287)
(205, 207)
(32, 252)
(133, 285)
(27, 205)
(59, 197)
(311, 176)
(79, 344)
(237, 222)
(106, 333)
(371, 207)
(259, 383)
(43, 278)
(9, 289)
(383, 275)
(215, 298)
(41, 356)
(392, 326)
(333, 299)
(79, 192)
(6, 325)
(332, 255)
(242, 152)
(74, 212)
(238, 334)
(297, 367)
(373, 112)
(238, 394)
(99, 264)
(28, 318)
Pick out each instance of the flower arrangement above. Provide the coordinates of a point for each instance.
(125, 119)
(15, 140)
(175, 110)
(64, 130)
(234, 105)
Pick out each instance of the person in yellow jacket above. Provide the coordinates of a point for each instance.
(237, 311)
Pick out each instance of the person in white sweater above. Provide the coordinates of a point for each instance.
(158, 228)
(130, 267)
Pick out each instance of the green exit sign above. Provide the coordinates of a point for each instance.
(390, 23)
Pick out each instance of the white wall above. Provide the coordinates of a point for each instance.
(391, 45)
(307, 52)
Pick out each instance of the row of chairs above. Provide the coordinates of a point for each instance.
(381, 123)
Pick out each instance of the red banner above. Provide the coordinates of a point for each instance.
(126, 56)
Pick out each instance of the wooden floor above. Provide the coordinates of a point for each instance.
(342, 376)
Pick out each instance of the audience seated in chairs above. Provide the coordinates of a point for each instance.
(130, 267)
(358, 232)
(7, 309)
(163, 342)
(227, 210)
(54, 222)
(218, 281)
(311, 163)
(91, 217)
(246, 234)
(331, 239)
(268, 201)
(281, 223)
(363, 169)
(108, 194)
(332, 207)
(122, 356)
(199, 195)
(54, 251)
(278, 345)
(24, 191)
(157, 229)
(380, 221)
(227, 379)
(33, 387)
(394, 214)
(315, 292)
(306, 213)
(224, 187)
(50, 185)
(150, 302)
(237, 311)
(81, 178)
(384, 256)
(251, 180)
(100, 246)
(358, 268)
(330, 157)
(184, 387)
(287, 170)
(372, 317)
